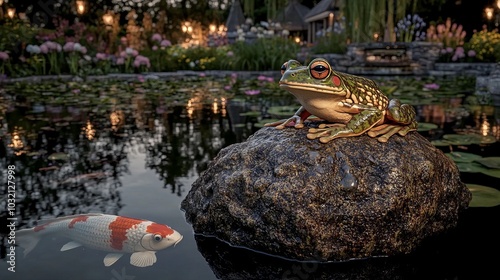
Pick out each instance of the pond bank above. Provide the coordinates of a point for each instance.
(147, 75)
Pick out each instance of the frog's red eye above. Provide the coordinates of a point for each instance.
(283, 68)
(319, 69)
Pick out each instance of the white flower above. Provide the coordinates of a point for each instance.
(253, 29)
(192, 64)
(129, 51)
(285, 32)
(77, 47)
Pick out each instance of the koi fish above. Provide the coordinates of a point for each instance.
(114, 234)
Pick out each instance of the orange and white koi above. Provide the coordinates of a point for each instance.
(114, 234)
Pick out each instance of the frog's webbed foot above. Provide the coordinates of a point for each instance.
(328, 132)
(385, 131)
(297, 120)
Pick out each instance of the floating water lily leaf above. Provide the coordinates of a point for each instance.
(281, 111)
(251, 114)
(466, 139)
(483, 196)
(441, 143)
(422, 126)
(470, 167)
(59, 156)
(491, 162)
(263, 122)
(491, 172)
(463, 157)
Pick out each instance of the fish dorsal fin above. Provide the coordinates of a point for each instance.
(70, 245)
(58, 219)
(111, 258)
(143, 259)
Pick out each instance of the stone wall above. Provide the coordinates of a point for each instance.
(417, 58)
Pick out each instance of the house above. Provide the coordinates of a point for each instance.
(321, 19)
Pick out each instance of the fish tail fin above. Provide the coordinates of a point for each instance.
(27, 239)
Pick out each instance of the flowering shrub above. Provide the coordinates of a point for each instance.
(457, 54)
(410, 28)
(4, 61)
(486, 44)
(451, 35)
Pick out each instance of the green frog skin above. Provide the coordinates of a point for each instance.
(350, 104)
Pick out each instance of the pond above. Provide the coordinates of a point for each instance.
(134, 147)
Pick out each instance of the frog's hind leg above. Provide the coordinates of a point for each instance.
(385, 131)
(400, 113)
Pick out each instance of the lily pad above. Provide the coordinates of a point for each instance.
(470, 167)
(463, 157)
(422, 126)
(483, 196)
(491, 172)
(59, 156)
(263, 122)
(441, 143)
(251, 114)
(282, 111)
(491, 162)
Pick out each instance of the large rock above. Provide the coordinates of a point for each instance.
(283, 194)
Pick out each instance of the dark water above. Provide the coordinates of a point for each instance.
(142, 160)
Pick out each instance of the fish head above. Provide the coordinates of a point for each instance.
(158, 237)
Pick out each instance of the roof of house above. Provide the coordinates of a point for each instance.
(321, 10)
(292, 17)
(235, 17)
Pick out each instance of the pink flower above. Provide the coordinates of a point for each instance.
(100, 56)
(230, 53)
(154, 48)
(471, 53)
(270, 79)
(252, 92)
(261, 78)
(165, 43)
(227, 87)
(203, 75)
(120, 61)
(156, 37)
(83, 50)
(449, 50)
(141, 60)
(69, 47)
(4, 56)
(123, 40)
(135, 53)
(44, 48)
(432, 86)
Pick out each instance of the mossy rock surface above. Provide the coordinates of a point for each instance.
(285, 195)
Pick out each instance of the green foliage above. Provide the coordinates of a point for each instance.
(262, 55)
(486, 44)
(14, 34)
(332, 43)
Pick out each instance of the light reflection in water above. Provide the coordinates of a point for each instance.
(89, 130)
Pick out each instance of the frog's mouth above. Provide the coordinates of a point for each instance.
(301, 88)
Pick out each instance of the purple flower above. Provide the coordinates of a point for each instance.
(449, 50)
(44, 48)
(120, 61)
(154, 48)
(4, 56)
(261, 78)
(270, 79)
(165, 43)
(432, 86)
(69, 47)
(100, 56)
(252, 92)
(141, 60)
(471, 53)
(227, 87)
(156, 37)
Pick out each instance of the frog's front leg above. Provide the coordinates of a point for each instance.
(361, 122)
(298, 119)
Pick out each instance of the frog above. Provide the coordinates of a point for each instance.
(347, 105)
